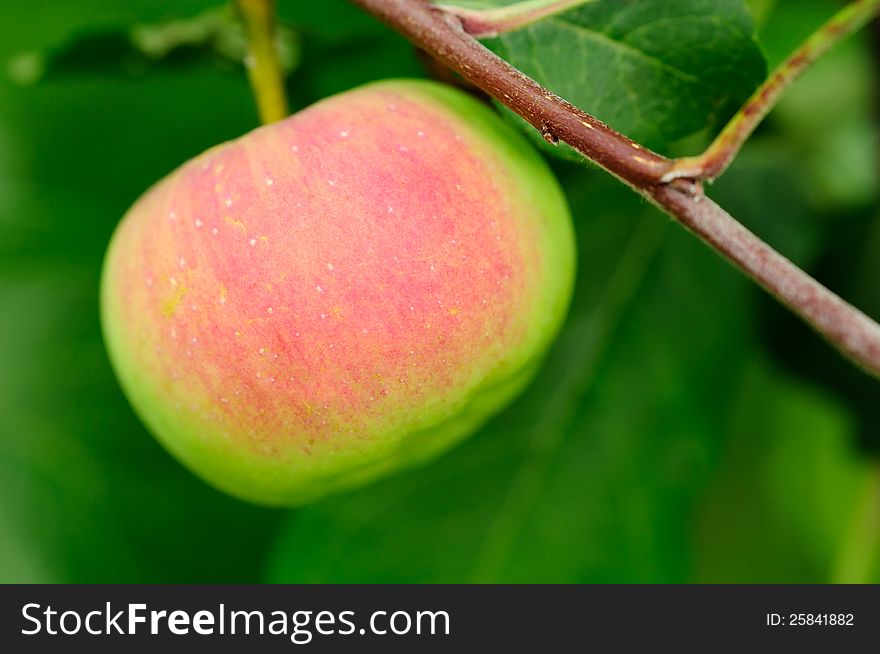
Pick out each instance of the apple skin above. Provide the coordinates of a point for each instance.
(340, 294)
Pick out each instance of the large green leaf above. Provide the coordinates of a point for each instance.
(656, 70)
(41, 24)
(787, 490)
(215, 35)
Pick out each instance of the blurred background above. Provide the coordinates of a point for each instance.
(685, 428)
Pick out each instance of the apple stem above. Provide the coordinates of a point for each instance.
(262, 62)
(443, 36)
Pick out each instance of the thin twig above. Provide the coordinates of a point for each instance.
(483, 23)
(263, 64)
(724, 148)
(442, 36)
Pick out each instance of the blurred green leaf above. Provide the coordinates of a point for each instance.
(332, 21)
(214, 35)
(85, 492)
(786, 492)
(761, 10)
(343, 47)
(38, 25)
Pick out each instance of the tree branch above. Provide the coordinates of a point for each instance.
(724, 148)
(442, 36)
(263, 64)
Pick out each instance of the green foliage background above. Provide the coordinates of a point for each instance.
(685, 427)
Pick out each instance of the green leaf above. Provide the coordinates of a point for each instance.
(215, 35)
(656, 70)
(787, 488)
(591, 474)
(85, 492)
(38, 25)
(334, 21)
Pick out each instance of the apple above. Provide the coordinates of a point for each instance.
(340, 294)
